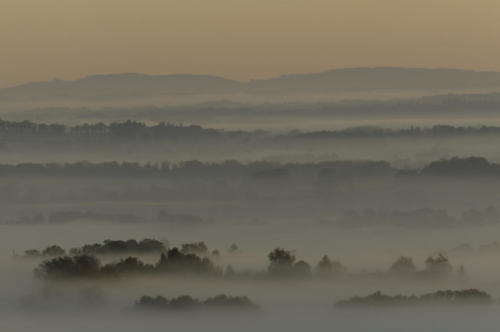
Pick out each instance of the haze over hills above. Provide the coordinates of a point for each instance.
(352, 80)
(126, 85)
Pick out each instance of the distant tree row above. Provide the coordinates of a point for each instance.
(88, 266)
(261, 170)
(447, 297)
(126, 129)
(185, 302)
(454, 168)
(378, 132)
(108, 247)
(118, 247)
(435, 266)
(128, 247)
(164, 130)
(194, 259)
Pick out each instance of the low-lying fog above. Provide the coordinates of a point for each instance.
(291, 305)
(396, 209)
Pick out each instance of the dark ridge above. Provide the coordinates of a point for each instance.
(136, 130)
(447, 297)
(131, 85)
(195, 260)
(181, 303)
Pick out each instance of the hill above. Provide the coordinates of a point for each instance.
(351, 80)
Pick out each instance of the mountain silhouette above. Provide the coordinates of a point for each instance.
(132, 85)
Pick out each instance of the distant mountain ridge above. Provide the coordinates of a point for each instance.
(378, 79)
(127, 85)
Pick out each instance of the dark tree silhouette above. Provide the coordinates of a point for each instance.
(447, 297)
(84, 266)
(198, 248)
(403, 265)
(327, 268)
(186, 302)
(53, 251)
(177, 262)
(233, 248)
(281, 262)
(438, 265)
(302, 269)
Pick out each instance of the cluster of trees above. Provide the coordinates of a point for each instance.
(30, 128)
(435, 266)
(455, 167)
(197, 248)
(127, 247)
(379, 132)
(446, 297)
(89, 266)
(107, 247)
(126, 129)
(196, 259)
(192, 259)
(322, 171)
(195, 168)
(186, 302)
(283, 263)
(53, 250)
(165, 130)
(119, 247)
(476, 166)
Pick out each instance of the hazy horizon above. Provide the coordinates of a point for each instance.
(225, 165)
(249, 80)
(244, 40)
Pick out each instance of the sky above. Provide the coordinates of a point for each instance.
(241, 39)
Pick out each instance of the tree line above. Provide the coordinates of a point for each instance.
(260, 170)
(128, 128)
(195, 259)
(186, 302)
(441, 297)
(166, 130)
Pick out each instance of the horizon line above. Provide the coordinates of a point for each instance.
(291, 74)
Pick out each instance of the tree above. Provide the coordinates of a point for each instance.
(438, 265)
(177, 262)
(83, 266)
(327, 268)
(199, 248)
(403, 265)
(54, 251)
(281, 261)
(131, 265)
(233, 248)
(32, 253)
(302, 269)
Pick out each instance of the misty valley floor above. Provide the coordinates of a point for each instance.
(360, 182)
(285, 306)
(294, 319)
